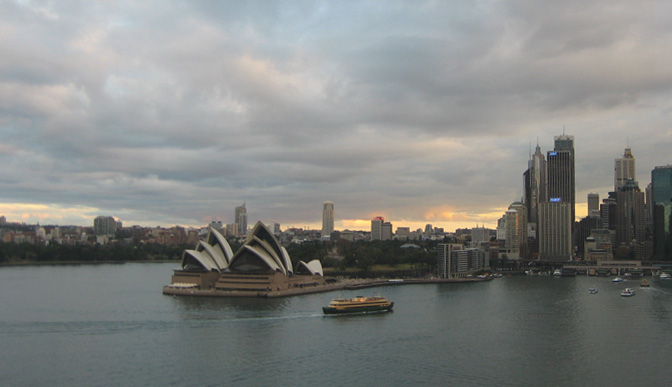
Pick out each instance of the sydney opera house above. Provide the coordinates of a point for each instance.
(260, 268)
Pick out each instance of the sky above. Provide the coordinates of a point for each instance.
(163, 113)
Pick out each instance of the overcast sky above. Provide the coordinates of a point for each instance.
(165, 112)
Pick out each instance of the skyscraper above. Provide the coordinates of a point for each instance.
(624, 169)
(535, 185)
(594, 205)
(630, 214)
(560, 172)
(327, 219)
(661, 192)
(240, 217)
(555, 236)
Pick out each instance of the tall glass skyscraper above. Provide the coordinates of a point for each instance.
(560, 173)
(661, 193)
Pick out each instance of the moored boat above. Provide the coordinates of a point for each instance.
(359, 304)
(665, 276)
(627, 292)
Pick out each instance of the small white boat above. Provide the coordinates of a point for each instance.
(665, 276)
(557, 273)
(617, 279)
(592, 290)
(627, 292)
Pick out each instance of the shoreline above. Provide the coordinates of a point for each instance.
(341, 285)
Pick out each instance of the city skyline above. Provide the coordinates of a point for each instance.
(421, 113)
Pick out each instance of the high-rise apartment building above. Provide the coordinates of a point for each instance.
(624, 169)
(327, 219)
(661, 193)
(240, 217)
(560, 173)
(105, 225)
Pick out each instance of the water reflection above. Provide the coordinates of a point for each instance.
(206, 308)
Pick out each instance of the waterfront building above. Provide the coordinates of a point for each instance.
(453, 260)
(327, 220)
(594, 205)
(555, 231)
(515, 232)
(560, 172)
(661, 193)
(584, 231)
(260, 267)
(624, 169)
(240, 220)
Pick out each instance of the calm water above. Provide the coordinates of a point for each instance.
(110, 325)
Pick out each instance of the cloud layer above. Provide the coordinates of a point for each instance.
(164, 113)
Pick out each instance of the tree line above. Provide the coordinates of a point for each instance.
(338, 256)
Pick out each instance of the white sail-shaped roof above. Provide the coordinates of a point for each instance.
(193, 257)
(254, 258)
(215, 252)
(269, 250)
(286, 259)
(313, 267)
(217, 239)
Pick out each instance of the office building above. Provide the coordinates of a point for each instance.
(624, 169)
(327, 220)
(630, 214)
(535, 185)
(594, 205)
(555, 236)
(240, 220)
(560, 173)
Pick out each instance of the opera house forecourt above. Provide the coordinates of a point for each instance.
(260, 268)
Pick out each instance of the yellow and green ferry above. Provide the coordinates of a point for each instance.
(359, 304)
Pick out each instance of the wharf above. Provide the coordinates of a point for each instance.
(349, 284)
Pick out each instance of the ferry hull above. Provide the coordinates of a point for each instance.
(355, 310)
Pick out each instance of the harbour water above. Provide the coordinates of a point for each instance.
(109, 325)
